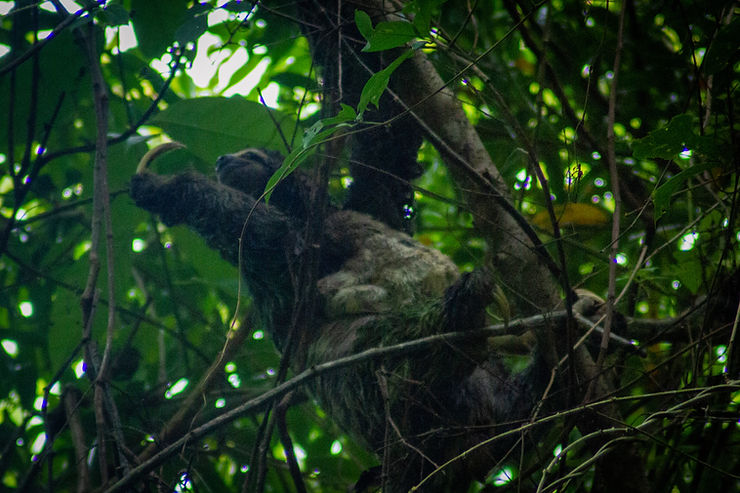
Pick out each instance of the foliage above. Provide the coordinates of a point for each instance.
(536, 80)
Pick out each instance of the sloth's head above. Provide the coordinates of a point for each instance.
(248, 170)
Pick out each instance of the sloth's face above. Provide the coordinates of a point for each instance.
(247, 170)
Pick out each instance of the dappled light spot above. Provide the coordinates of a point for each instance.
(39, 403)
(6, 183)
(122, 38)
(502, 477)
(10, 346)
(80, 368)
(234, 380)
(37, 446)
(721, 353)
(80, 249)
(184, 483)
(300, 453)
(26, 308)
(138, 245)
(688, 241)
(336, 447)
(176, 388)
(524, 180)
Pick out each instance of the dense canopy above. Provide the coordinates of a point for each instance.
(608, 127)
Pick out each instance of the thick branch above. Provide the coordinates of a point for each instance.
(396, 350)
(447, 126)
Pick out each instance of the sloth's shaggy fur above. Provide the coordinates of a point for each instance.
(377, 286)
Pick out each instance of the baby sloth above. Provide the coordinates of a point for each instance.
(377, 286)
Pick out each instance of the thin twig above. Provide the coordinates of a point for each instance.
(614, 178)
(105, 406)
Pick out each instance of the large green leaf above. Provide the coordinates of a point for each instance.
(155, 24)
(213, 126)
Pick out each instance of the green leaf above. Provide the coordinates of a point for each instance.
(155, 24)
(346, 114)
(311, 133)
(386, 35)
(389, 35)
(688, 268)
(290, 164)
(364, 24)
(194, 26)
(378, 82)
(666, 142)
(422, 13)
(662, 195)
(314, 136)
(114, 15)
(238, 6)
(213, 126)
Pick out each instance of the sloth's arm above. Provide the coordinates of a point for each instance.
(218, 213)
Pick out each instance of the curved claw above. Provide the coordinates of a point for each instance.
(152, 154)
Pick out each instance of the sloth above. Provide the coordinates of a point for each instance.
(376, 286)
